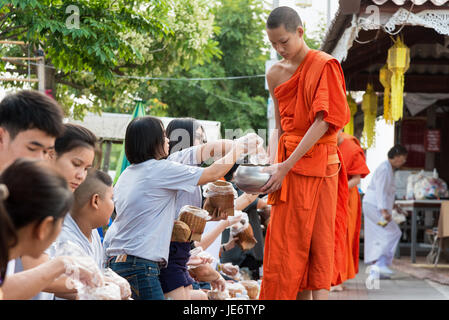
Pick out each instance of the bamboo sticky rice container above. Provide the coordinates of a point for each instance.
(244, 232)
(252, 287)
(220, 197)
(181, 232)
(196, 219)
(246, 238)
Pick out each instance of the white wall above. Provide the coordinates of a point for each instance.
(378, 153)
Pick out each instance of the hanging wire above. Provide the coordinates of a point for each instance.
(168, 78)
(29, 65)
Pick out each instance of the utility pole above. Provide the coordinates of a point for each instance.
(268, 64)
(41, 69)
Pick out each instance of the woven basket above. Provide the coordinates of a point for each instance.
(181, 232)
(246, 239)
(222, 198)
(195, 223)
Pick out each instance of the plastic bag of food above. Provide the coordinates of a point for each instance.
(109, 287)
(430, 188)
(411, 180)
(241, 225)
(244, 232)
(199, 257)
(234, 288)
(74, 259)
(398, 217)
(111, 276)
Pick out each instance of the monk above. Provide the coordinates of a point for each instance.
(356, 169)
(309, 94)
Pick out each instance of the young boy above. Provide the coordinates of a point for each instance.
(309, 94)
(92, 208)
(30, 122)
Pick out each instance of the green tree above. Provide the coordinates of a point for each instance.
(236, 103)
(90, 45)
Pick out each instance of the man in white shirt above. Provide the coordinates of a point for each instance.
(380, 240)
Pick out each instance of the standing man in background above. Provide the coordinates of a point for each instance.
(380, 241)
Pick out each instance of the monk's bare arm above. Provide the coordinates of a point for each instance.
(279, 171)
(355, 180)
(273, 82)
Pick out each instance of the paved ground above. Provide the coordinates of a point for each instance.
(401, 286)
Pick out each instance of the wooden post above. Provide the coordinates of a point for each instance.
(431, 124)
(41, 70)
(107, 156)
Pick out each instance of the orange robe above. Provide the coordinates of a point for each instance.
(299, 245)
(355, 163)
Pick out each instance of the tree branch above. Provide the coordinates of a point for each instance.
(19, 71)
(70, 84)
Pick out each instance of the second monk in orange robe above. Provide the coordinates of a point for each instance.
(356, 169)
(309, 94)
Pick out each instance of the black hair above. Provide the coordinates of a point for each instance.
(101, 176)
(7, 233)
(285, 16)
(75, 136)
(144, 140)
(29, 109)
(36, 191)
(96, 183)
(397, 150)
(177, 130)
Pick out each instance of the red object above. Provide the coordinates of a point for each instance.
(432, 140)
(355, 163)
(48, 92)
(412, 138)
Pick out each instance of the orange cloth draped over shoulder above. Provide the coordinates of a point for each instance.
(355, 163)
(299, 244)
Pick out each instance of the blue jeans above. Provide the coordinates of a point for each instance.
(142, 275)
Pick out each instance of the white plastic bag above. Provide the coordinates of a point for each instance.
(111, 276)
(241, 225)
(111, 287)
(198, 252)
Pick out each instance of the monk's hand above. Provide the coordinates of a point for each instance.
(278, 172)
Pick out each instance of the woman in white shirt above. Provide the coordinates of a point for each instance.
(35, 199)
(145, 200)
(380, 241)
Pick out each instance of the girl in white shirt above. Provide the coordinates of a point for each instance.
(35, 198)
(145, 200)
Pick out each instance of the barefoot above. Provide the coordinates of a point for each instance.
(338, 288)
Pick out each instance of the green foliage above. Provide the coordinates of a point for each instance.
(113, 38)
(236, 103)
(315, 38)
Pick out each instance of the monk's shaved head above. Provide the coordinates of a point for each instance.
(285, 16)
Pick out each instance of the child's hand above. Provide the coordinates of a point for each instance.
(230, 269)
(219, 283)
